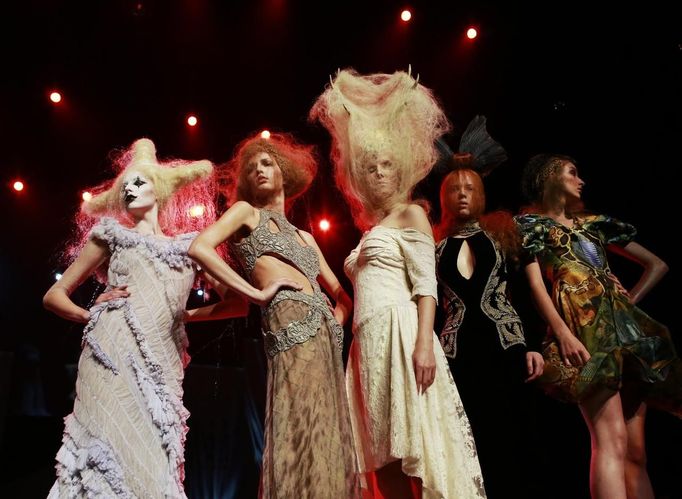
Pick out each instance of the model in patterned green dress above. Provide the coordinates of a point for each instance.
(601, 352)
(629, 350)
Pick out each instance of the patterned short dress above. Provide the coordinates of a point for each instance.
(630, 351)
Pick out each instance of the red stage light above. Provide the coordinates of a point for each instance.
(55, 97)
(192, 120)
(18, 186)
(265, 134)
(406, 15)
(472, 33)
(324, 225)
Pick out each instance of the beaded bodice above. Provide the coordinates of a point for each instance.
(281, 242)
(281, 239)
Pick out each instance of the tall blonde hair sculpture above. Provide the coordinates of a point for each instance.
(372, 115)
(185, 193)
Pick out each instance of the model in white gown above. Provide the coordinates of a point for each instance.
(125, 437)
(429, 432)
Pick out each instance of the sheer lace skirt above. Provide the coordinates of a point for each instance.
(429, 432)
(309, 449)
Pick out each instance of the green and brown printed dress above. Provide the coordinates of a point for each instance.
(630, 352)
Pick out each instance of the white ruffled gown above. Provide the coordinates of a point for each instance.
(125, 437)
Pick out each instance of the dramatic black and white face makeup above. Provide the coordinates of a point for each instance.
(137, 192)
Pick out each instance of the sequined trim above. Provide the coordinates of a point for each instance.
(283, 243)
(300, 331)
(494, 304)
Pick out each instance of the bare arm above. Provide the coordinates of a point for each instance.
(331, 283)
(415, 217)
(423, 358)
(202, 250)
(57, 299)
(654, 268)
(232, 305)
(221, 289)
(573, 352)
(426, 311)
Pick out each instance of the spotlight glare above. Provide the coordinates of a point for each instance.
(192, 120)
(406, 15)
(55, 97)
(197, 210)
(265, 134)
(472, 33)
(57, 276)
(324, 225)
(18, 186)
(200, 292)
(87, 196)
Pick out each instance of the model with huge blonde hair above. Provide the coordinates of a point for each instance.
(309, 449)
(412, 434)
(126, 434)
(601, 351)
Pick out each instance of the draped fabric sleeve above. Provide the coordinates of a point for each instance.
(419, 250)
(533, 231)
(611, 230)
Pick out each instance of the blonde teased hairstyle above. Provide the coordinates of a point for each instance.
(371, 115)
(179, 186)
(167, 178)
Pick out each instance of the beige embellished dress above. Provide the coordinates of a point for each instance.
(309, 451)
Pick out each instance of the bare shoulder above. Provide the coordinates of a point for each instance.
(415, 216)
(242, 212)
(415, 210)
(241, 207)
(308, 238)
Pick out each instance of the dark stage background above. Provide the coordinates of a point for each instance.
(563, 77)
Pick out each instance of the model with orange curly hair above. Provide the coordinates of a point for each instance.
(309, 449)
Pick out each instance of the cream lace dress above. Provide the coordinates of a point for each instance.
(390, 269)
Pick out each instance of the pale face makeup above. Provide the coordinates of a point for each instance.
(381, 177)
(137, 192)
